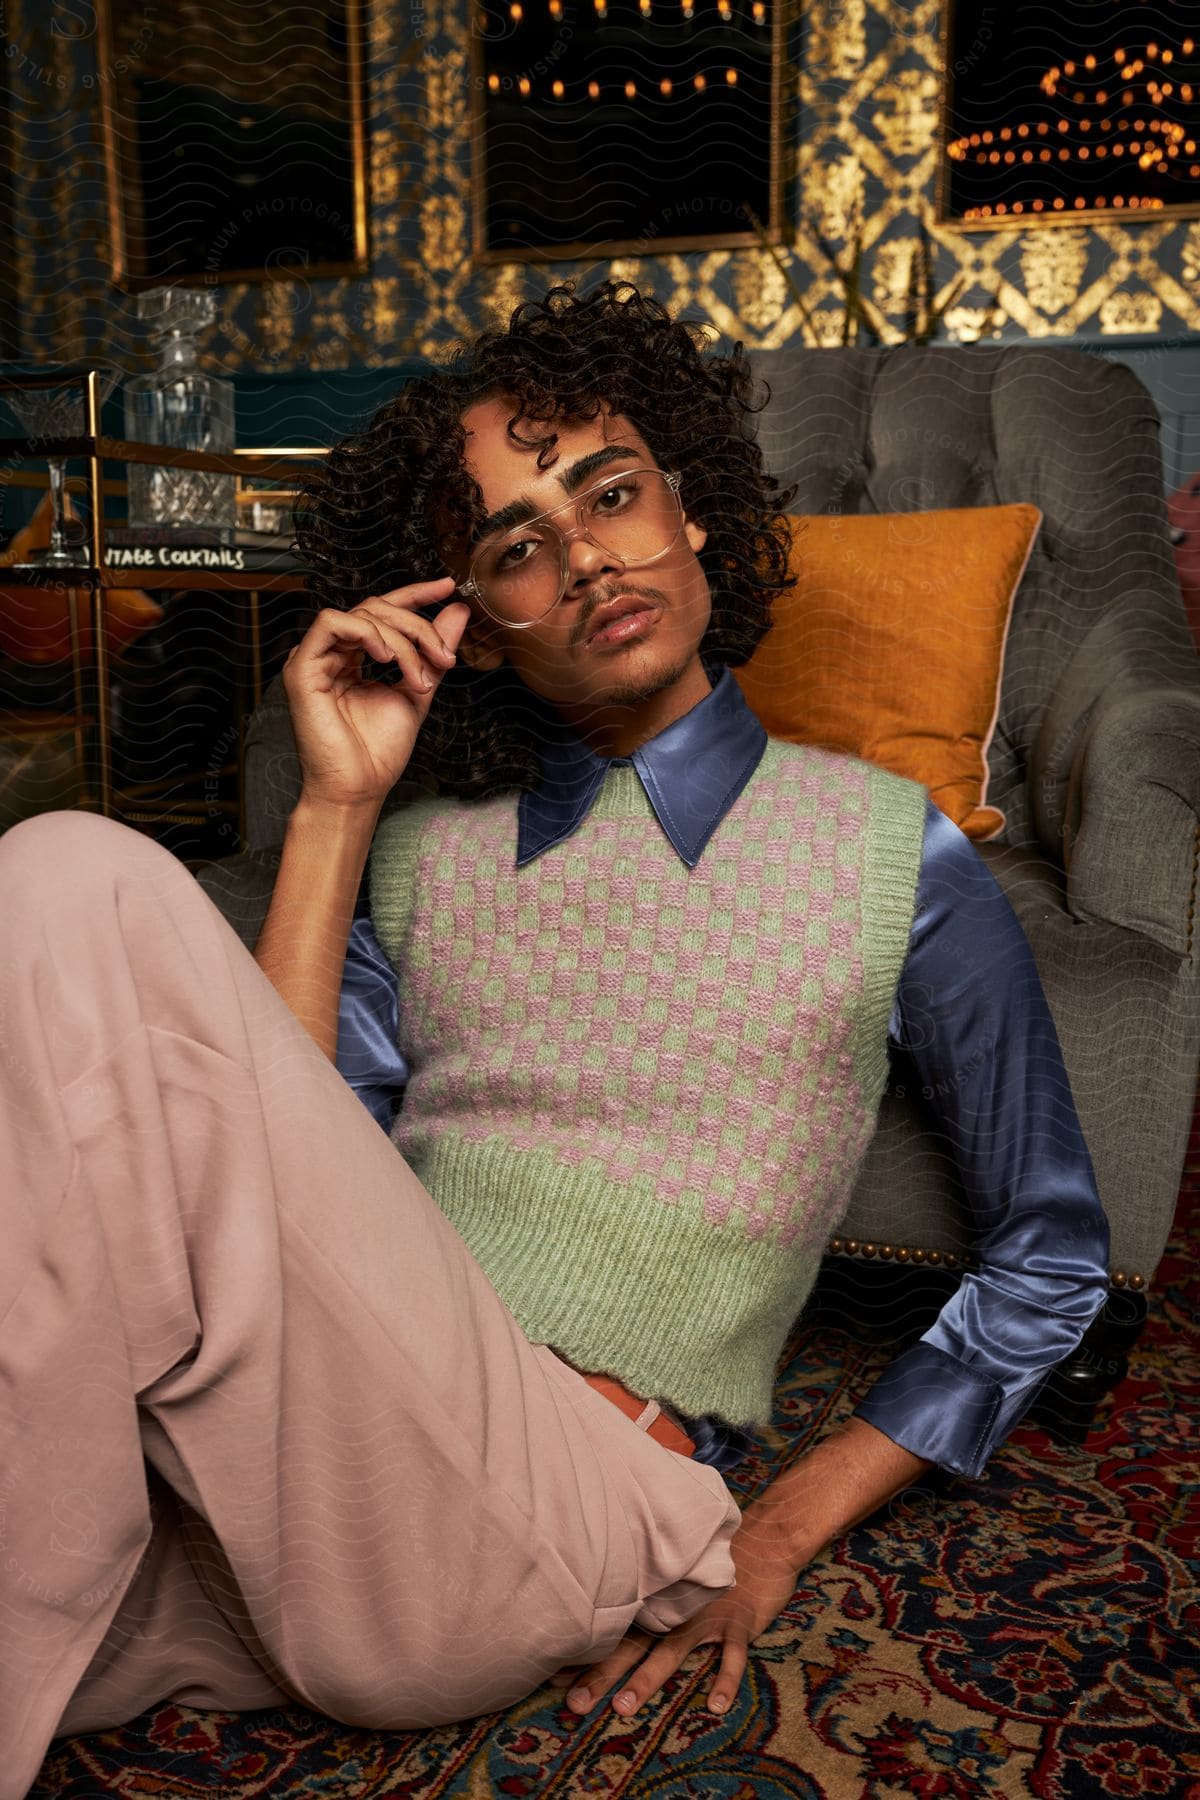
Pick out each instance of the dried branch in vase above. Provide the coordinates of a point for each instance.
(922, 314)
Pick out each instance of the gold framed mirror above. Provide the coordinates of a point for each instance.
(234, 141)
(1068, 114)
(628, 127)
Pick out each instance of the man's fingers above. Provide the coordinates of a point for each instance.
(734, 1657)
(425, 588)
(439, 635)
(652, 1671)
(452, 622)
(646, 1681)
(648, 1678)
(416, 671)
(335, 634)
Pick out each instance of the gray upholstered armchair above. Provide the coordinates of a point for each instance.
(1095, 761)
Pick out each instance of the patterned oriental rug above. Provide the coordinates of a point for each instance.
(1033, 1633)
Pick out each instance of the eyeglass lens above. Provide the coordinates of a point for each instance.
(635, 517)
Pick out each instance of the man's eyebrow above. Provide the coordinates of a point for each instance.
(521, 510)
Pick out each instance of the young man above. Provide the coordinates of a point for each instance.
(290, 1414)
(527, 961)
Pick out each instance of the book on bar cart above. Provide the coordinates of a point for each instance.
(251, 552)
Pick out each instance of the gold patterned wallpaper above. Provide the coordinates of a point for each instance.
(866, 75)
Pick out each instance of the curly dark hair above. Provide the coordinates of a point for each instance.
(389, 501)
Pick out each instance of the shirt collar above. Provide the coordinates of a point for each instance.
(692, 773)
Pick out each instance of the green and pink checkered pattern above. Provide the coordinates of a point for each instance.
(642, 1092)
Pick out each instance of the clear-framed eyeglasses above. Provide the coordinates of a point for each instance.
(520, 575)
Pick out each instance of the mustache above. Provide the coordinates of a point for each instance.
(651, 595)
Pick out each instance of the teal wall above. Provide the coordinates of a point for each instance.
(307, 409)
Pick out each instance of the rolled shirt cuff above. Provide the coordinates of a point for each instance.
(939, 1408)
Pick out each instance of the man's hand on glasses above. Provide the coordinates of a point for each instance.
(354, 735)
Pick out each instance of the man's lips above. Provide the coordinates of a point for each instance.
(623, 614)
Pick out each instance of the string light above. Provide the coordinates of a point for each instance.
(1159, 144)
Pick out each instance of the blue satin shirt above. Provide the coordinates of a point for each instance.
(970, 1031)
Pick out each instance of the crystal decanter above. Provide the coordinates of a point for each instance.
(177, 404)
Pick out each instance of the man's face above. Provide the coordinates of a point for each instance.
(602, 686)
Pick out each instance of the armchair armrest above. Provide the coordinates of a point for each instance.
(271, 770)
(240, 887)
(1131, 829)
(1114, 771)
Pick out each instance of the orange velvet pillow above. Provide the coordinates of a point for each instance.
(35, 622)
(890, 644)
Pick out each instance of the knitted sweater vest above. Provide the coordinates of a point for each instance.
(642, 1092)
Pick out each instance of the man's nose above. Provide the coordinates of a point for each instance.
(586, 560)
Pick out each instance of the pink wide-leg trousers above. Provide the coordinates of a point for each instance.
(267, 1431)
